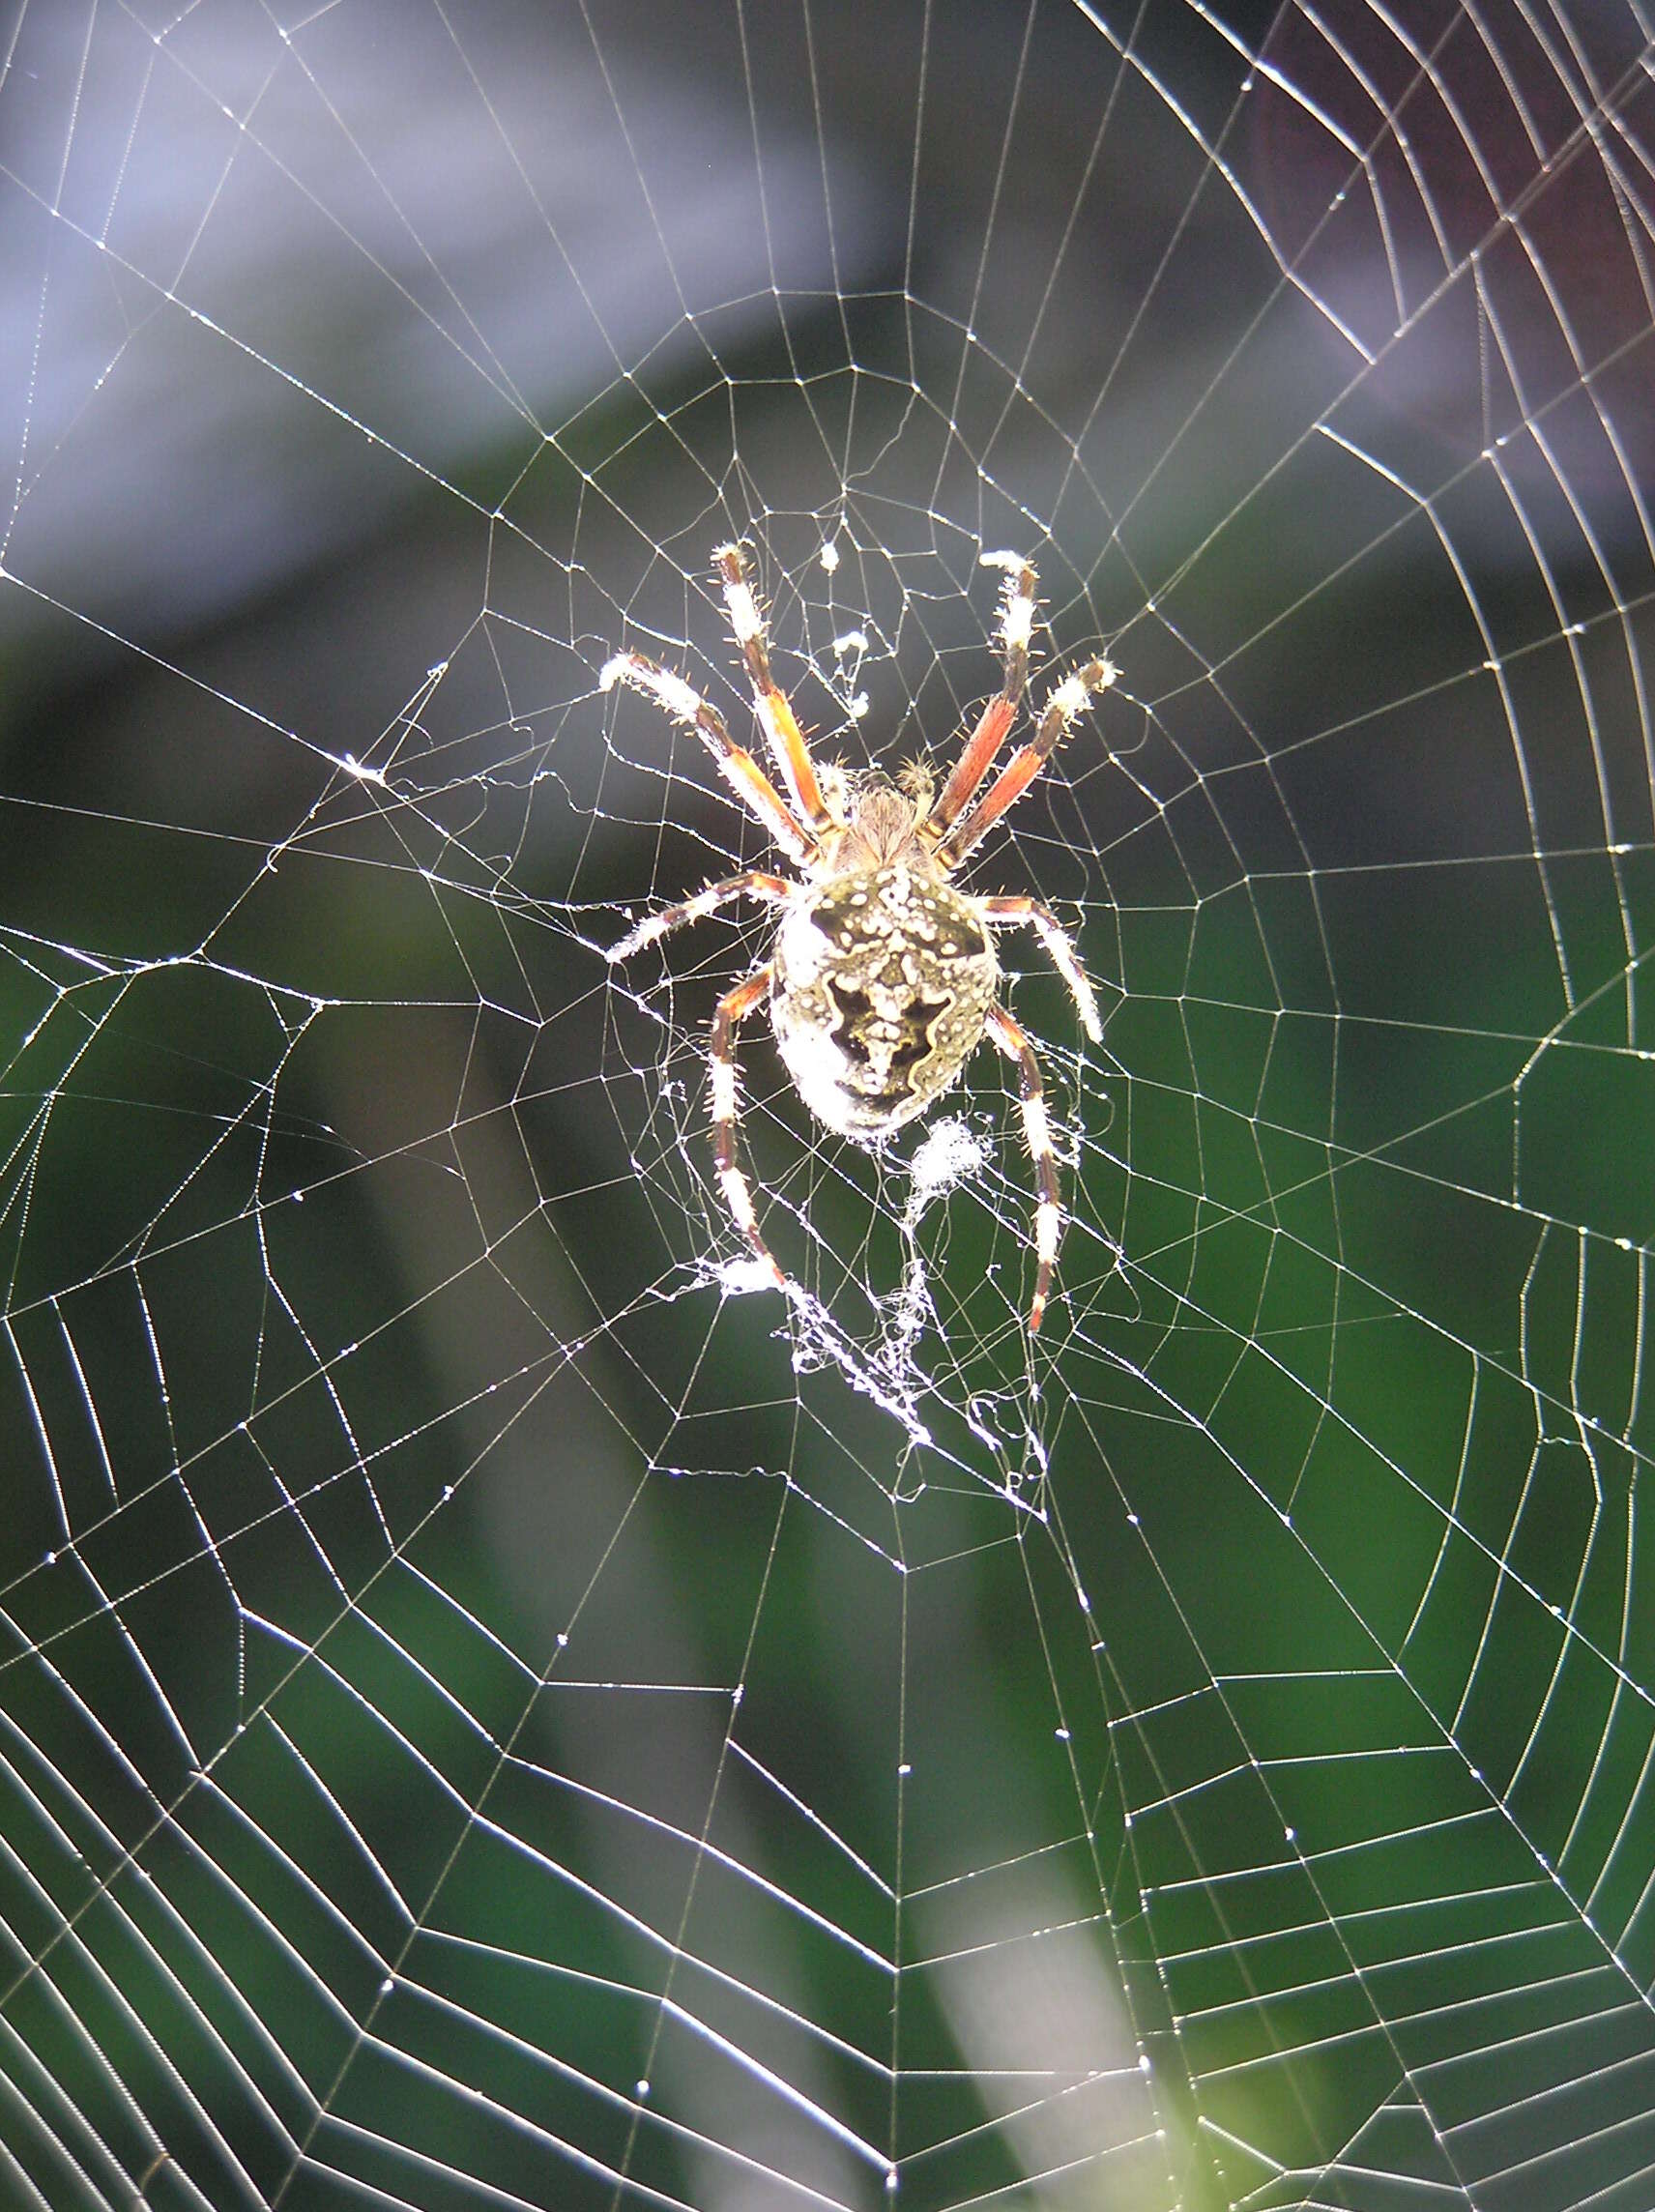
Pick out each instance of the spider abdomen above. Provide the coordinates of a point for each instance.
(884, 979)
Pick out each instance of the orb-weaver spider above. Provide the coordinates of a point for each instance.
(883, 977)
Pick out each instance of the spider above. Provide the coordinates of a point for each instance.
(883, 977)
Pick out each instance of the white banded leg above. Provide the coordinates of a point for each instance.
(1061, 951)
(753, 884)
(731, 1012)
(787, 744)
(745, 777)
(1048, 1211)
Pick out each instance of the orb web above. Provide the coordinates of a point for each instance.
(499, 1704)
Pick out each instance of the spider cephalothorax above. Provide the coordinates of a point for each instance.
(882, 978)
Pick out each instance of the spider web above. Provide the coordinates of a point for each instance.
(499, 1707)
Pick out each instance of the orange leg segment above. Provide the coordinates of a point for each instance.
(685, 705)
(1068, 699)
(788, 748)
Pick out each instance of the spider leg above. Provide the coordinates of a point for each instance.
(788, 748)
(1016, 629)
(685, 705)
(1059, 947)
(732, 1009)
(1068, 699)
(1048, 1212)
(754, 884)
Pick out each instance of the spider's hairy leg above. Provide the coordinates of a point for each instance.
(1060, 949)
(1048, 1212)
(1015, 632)
(685, 705)
(788, 748)
(753, 884)
(731, 1012)
(1066, 700)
